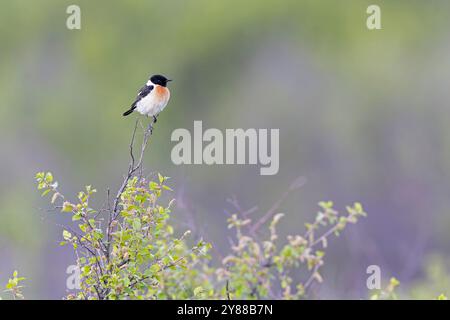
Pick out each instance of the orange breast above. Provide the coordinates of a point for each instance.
(162, 93)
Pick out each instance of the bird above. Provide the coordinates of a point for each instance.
(152, 97)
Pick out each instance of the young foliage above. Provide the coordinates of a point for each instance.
(263, 268)
(135, 255)
(388, 293)
(129, 250)
(14, 286)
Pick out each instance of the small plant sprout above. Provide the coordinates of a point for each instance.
(13, 286)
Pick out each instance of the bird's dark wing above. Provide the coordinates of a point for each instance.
(143, 92)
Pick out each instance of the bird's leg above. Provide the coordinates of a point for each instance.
(155, 119)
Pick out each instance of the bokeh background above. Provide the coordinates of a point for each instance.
(363, 116)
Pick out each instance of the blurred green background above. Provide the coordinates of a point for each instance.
(363, 116)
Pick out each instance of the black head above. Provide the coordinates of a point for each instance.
(159, 79)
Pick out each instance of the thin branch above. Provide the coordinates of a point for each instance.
(312, 277)
(324, 236)
(132, 168)
(296, 184)
(227, 288)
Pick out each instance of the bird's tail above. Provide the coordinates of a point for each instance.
(128, 112)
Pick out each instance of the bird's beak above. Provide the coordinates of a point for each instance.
(168, 80)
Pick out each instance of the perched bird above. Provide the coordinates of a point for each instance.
(152, 98)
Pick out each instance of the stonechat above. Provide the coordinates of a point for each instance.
(152, 97)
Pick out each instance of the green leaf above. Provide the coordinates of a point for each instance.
(83, 227)
(48, 178)
(67, 207)
(137, 224)
(67, 235)
(153, 186)
(198, 291)
(39, 175)
(98, 234)
(155, 268)
(394, 282)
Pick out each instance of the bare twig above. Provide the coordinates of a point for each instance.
(227, 288)
(132, 168)
(296, 184)
(312, 277)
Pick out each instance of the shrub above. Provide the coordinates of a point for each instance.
(137, 256)
(14, 286)
(129, 250)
